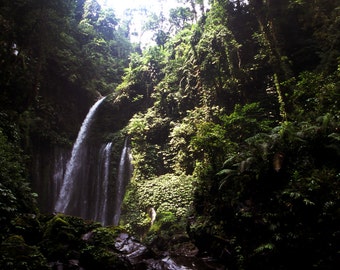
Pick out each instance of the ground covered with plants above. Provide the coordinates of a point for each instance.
(233, 117)
(245, 102)
(49, 242)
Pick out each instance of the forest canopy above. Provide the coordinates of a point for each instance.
(234, 110)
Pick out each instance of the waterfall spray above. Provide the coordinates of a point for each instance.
(60, 159)
(102, 187)
(124, 175)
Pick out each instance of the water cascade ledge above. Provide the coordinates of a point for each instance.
(86, 187)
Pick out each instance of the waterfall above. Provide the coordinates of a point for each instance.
(124, 175)
(49, 164)
(72, 187)
(85, 187)
(102, 187)
(60, 158)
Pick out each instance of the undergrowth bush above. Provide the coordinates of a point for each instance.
(170, 195)
(276, 203)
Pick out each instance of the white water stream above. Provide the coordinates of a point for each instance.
(69, 185)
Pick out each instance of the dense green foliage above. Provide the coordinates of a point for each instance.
(56, 57)
(245, 100)
(16, 196)
(56, 49)
(43, 242)
(234, 128)
(170, 194)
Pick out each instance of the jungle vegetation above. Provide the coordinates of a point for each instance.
(234, 127)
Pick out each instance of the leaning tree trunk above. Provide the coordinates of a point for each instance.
(263, 10)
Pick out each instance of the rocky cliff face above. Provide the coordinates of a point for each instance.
(50, 151)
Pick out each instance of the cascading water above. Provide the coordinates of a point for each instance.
(124, 175)
(86, 188)
(58, 173)
(73, 194)
(102, 189)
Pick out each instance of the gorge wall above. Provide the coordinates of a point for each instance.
(93, 188)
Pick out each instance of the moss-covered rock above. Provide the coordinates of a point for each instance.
(100, 251)
(29, 227)
(62, 237)
(17, 254)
